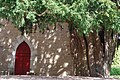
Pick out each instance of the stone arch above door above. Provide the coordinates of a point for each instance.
(15, 45)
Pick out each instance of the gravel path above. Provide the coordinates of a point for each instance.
(26, 77)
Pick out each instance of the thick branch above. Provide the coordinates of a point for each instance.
(43, 13)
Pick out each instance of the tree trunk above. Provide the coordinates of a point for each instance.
(91, 56)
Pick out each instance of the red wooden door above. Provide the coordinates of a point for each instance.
(22, 59)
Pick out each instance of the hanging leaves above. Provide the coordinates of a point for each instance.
(86, 15)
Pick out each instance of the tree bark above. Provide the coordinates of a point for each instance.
(92, 57)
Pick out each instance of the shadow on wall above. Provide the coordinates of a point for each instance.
(53, 58)
(7, 35)
(53, 51)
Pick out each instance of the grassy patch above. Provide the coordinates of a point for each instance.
(115, 76)
(115, 71)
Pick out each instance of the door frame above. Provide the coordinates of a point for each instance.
(15, 45)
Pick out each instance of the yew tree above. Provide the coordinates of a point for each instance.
(93, 26)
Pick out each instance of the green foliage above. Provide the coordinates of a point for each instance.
(115, 70)
(86, 15)
(116, 60)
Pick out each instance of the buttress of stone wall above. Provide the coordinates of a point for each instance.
(53, 52)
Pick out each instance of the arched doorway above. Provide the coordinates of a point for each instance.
(22, 59)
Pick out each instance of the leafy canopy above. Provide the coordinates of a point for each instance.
(86, 15)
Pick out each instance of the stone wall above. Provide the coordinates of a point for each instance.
(50, 52)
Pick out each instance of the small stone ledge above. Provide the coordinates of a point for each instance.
(27, 77)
